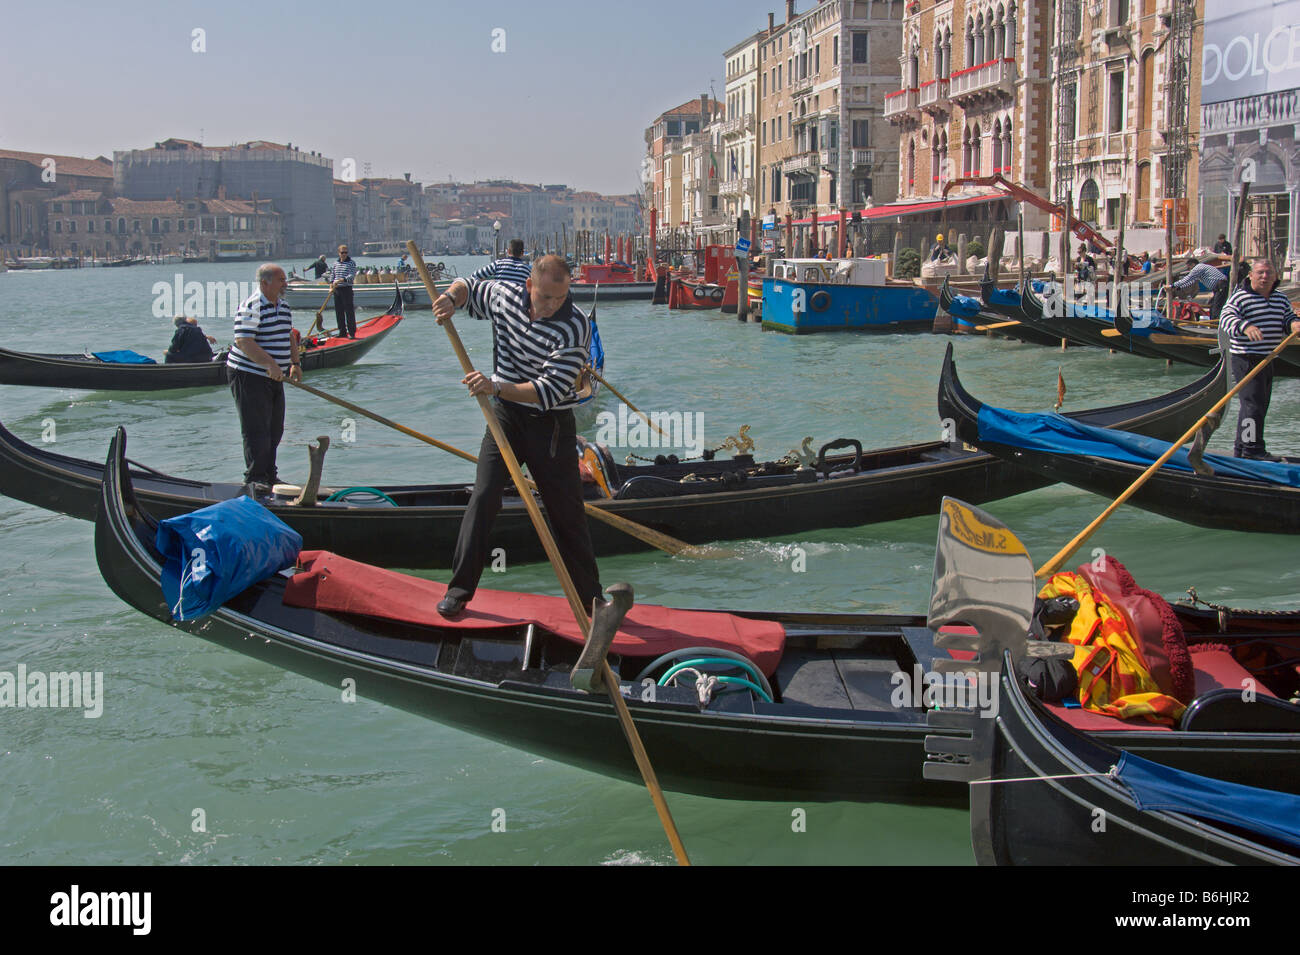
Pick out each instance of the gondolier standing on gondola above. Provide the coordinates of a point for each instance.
(1257, 317)
(512, 268)
(263, 353)
(542, 341)
(342, 273)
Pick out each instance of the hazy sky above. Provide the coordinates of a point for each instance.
(404, 87)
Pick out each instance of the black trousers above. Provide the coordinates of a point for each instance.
(345, 312)
(1252, 405)
(547, 444)
(260, 403)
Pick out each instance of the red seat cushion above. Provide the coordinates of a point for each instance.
(1217, 669)
(332, 583)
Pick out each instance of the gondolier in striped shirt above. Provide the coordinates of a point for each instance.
(342, 274)
(542, 343)
(263, 353)
(1202, 277)
(513, 268)
(1256, 317)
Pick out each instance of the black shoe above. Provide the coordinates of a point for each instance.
(1258, 456)
(451, 607)
(255, 490)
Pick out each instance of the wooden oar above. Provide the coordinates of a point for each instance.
(654, 538)
(1053, 565)
(557, 563)
(986, 328)
(623, 398)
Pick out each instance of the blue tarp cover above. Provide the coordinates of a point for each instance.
(1004, 296)
(965, 306)
(1155, 787)
(124, 357)
(1057, 434)
(217, 552)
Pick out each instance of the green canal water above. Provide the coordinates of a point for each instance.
(202, 755)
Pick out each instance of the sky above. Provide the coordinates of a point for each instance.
(406, 88)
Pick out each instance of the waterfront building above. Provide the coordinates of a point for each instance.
(91, 224)
(1250, 123)
(738, 185)
(667, 154)
(298, 183)
(823, 141)
(28, 180)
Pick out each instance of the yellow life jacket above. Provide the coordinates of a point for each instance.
(1114, 678)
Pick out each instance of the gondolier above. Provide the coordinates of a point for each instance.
(342, 274)
(1257, 317)
(542, 343)
(263, 353)
(513, 268)
(317, 268)
(1203, 277)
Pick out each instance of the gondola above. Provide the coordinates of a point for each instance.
(1236, 498)
(698, 501)
(1189, 346)
(1044, 793)
(1077, 329)
(834, 727)
(1005, 304)
(88, 372)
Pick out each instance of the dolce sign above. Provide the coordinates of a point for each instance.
(1252, 51)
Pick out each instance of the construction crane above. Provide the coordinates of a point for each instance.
(1080, 229)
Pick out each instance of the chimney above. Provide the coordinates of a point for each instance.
(789, 10)
(771, 23)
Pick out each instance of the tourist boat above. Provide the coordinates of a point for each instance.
(815, 295)
(1043, 791)
(94, 374)
(308, 296)
(695, 501)
(684, 293)
(816, 717)
(614, 282)
(1241, 495)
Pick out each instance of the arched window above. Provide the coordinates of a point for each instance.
(997, 146)
(979, 40)
(934, 160)
(1010, 53)
(938, 55)
(911, 166)
(1006, 145)
(914, 69)
(970, 42)
(943, 156)
(947, 52)
(153, 224)
(90, 225)
(965, 152)
(1000, 34)
(976, 148)
(121, 226)
(1088, 197)
(1148, 89)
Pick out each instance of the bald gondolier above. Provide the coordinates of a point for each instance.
(1257, 317)
(342, 274)
(542, 342)
(512, 268)
(263, 353)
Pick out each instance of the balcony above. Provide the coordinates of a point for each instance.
(934, 96)
(901, 102)
(804, 164)
(738, 125)
(861, 157)
(1250, 112)
(736, 187)
(831, 159)
(991, 77)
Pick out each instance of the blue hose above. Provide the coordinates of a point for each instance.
(720, 661)
(340, 495)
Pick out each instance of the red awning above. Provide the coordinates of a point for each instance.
(906, 209)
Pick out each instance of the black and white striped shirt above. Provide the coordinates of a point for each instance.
(548, 352)
(343, 272)
(1203, 275)
(267, 324)
(508, 269)
(1271, 314)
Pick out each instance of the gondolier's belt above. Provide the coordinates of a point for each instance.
(537, 417)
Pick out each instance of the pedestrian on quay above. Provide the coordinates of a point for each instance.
(542, 343)
(264, 352)
(342, 275)
(1257, 317)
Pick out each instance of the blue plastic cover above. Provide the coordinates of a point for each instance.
(124, 357)
(597, 349)
(1056, 434)
(1155, 787)
(965, 306)
(1004, 296)
(217, 552)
